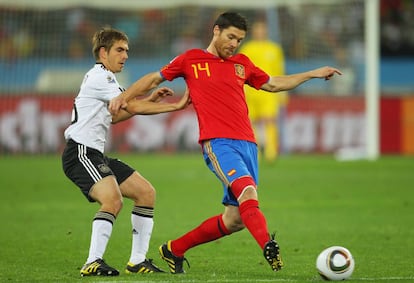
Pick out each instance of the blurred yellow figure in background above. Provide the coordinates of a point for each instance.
(264, 106)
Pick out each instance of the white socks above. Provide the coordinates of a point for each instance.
(101, 232)
(142, 224)
(141, 235)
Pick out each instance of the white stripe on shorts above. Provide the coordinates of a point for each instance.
(83, 158)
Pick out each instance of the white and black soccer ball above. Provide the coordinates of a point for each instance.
(335, 263)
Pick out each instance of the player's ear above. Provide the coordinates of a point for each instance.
(102, 53)
(216, 30)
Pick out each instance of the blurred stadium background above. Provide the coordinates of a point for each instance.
(45, 50)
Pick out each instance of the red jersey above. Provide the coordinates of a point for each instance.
(216, 90)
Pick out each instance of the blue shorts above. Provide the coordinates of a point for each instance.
(230, 159)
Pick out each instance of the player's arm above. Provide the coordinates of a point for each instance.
(149, 107)
(287, 82)
(139, 88)
(156, 96)
(121, 116)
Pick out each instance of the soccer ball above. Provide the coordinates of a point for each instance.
(335, 263)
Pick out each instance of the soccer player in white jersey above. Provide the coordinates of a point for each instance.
(103, 179)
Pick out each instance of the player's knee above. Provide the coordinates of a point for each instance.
(115, 202)
(113, 205)
(118, 204)
(236, 227)
(146, 196)
(244, 188)
(233, 222)
(141, 193)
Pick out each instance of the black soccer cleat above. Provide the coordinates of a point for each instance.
(144, 267)
(98, 267)
(175, 263)
(272, 255)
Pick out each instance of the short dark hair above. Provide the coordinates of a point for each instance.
(106, 37)
(231, 19)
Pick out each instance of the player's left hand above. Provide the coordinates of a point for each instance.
(325, 72)
(185, 100)
(117, 103)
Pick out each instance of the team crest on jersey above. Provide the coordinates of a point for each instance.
(110, 79)
(239, 70)
(104, 168)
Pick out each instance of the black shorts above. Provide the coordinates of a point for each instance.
(85, 166)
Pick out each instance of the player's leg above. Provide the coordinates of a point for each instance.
(87, 169)
(231, 219)
(135, 187)
(244, 190)
(107, 194)
(221, 160)
(235, 164)
(209, 230)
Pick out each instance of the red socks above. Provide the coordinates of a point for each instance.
(213, 228)
(210, 230)
(254, 221)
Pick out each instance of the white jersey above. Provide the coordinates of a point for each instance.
(90, 116)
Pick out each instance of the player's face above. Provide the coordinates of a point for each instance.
(117, 56)
(228, 40)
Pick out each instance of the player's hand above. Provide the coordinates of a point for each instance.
(185, 100)
(325, 72)
(160, 93)
(117, 103)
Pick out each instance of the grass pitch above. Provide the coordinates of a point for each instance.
(311, 202)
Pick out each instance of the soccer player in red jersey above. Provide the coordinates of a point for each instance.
(215, 78)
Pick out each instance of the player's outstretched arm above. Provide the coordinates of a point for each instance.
(138, 88)
(281, 83)
(148, 107)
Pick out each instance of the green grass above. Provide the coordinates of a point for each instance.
(310, 201)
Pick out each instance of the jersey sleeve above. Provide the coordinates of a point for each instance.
(174, 69)
(257, 77)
